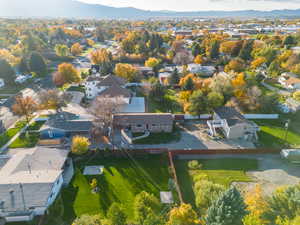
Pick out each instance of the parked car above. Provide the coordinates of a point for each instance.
(22, 78)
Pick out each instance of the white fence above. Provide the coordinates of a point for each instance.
(247, 116)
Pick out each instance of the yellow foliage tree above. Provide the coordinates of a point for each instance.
(236, 65)
(10, 58)
(199, 59)
(100, 56)
(258, 62)
(183, 215)
(185, 95)
(76, 49)
(68, 73)
(152, 62)
(80, 145)
(239, 81)
(126, 71)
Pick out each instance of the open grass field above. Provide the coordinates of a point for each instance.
(221, 171)
(121, 181)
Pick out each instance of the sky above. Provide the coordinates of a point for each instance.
(201, 5)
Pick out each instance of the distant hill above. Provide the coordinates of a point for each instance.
(75, 9)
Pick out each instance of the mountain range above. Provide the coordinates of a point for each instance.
(76, 9)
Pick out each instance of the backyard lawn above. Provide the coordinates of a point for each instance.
(273, 132)
(121, 181)
(6, 136)
(221, 171)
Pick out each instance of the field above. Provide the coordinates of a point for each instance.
(121, 181)
(220, 171)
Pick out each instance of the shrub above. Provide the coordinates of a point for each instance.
(194, 165)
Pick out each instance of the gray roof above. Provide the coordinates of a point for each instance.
(111, 80)
(143, 118)
(116, 91)
(230, 114)
(35, 195)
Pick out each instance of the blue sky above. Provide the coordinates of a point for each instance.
(198, 5)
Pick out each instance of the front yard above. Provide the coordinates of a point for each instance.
(222, 171)
(121, 181)
(6, 136)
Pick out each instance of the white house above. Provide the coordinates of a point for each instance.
(163, 77)
(199, 69)
(30, 181)
(289, 81)
(232, 124)
(95, 85)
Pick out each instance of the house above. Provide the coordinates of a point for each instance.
(164, 77)
(202, 70)
(2, 83)
(296, 50)
(289, 81)
(232, 124)
(30, 181)
(292, 105)
(94, 85)
(142, 122)
(65, 124)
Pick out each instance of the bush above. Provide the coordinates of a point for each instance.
(194, 165)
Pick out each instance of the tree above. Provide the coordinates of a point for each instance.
(246, 50)
(153, 63)
(126, 71)
(24, 106)
(183, 215)
(116, 215)
(296, 95)
(228, 209)
(67, 73)
(274, 69)
(37, 63)
(76, 49)
(183, 58)
(198, 103)
(198, 59)
(256, 63)
(206, 192)
(80, 145)
(285, 202)
(288, 40)
(145, 204)
(188, 85)
(214, 49)
(53, 99)
(196, 49)
(6, 71)
(157, 92)
(61, 50)
(174, 78)
(23, 65)
(100, 56)
(214, 100)
(236, 65)
(88, 220)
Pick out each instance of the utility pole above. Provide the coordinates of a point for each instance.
(286, 125)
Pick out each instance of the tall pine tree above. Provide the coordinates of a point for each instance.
(229, 209)
(174, 78)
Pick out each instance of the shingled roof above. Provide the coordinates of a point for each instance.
(116, 91)
(143, 118)
(231, 115)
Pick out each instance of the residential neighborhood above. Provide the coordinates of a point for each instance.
(162, 118)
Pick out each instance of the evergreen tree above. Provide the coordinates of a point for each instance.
(6, 71)
(188, 85)
(229, 209)
(23, 65)
(37, 63)
(198, 103)
(174, 79)
(214, 51)
(196, 49)
(246, 50)
(116, 215)
(288, 40)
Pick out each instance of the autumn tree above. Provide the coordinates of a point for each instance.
(80, 145)
(183, 215)
(24, 106)
(100, 56)
(296, 95)
(126, 71)
(67, 74)
(37, 63)
(256, 63)
(228, 209)
(153, 63)
(198, 59)
(183, 58)
(236, 65)
(76, 49)
(53, 99)
(61, 50)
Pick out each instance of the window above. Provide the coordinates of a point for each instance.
(139, 125)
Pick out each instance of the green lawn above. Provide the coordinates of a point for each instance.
(170, 104)
(77, 88)
(221, 171)
(121, 181)
(28, 140)
(36, 125)
(273, 133)
(6, 136)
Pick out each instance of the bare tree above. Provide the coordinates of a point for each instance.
(183, 58)
(103, 108)
(24, 107)
(53, 99)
